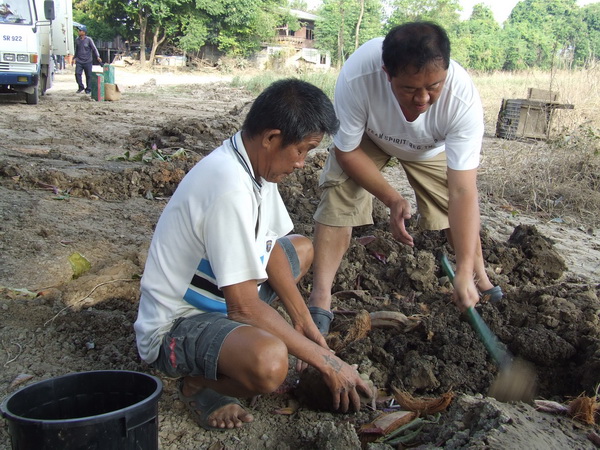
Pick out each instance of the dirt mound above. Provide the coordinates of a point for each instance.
(98, 191)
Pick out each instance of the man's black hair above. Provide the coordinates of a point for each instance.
(415, 45)
(295, 107)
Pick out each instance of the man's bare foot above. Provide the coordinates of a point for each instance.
(213, 411)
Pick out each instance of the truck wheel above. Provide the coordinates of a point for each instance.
(43, 84)
(40, 89)
(32, 99)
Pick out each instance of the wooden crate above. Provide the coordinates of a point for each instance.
(530, 117)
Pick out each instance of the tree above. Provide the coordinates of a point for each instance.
(346, 24)
(104, 21)
(358, 23)
(163, 22)
(238, 27)
(480, 41)
(444, 12)
(542, 32)
(156, 19)
(195, 32)
(587, 54)
(300, 5)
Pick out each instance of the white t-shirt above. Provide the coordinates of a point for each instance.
(364, 102)
(218, 229)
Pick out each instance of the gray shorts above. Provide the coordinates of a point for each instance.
(193, 345)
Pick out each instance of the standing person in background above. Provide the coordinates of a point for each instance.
(403, 96)
(61, 63)
(85, 53)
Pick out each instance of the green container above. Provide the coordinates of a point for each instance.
(98, 87)
(109, 73)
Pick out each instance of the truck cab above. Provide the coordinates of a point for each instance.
(32, 33)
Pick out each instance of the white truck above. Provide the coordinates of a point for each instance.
(32, 34)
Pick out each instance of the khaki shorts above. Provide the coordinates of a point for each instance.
(344, 203)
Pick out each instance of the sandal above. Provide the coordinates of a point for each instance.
(202, 404)
(493, 295)
(322, 318)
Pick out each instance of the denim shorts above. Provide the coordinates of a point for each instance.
(193, 345)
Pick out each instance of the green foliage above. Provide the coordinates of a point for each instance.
(586, 54)
(444, 12)
(238, 27)
(98, 27)
(256, 84)
(286, 18)
(336, 32)
(539, 33)
(300, 5)
(195, 33)
(542, 33)
(479, 41)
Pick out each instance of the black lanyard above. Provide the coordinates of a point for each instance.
(257, 185)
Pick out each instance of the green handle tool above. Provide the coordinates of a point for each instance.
(497, 350)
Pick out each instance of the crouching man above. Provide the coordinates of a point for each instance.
(221, 254)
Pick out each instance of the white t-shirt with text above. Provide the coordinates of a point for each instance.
(364, 102)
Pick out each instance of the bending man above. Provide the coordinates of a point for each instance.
(403, 96)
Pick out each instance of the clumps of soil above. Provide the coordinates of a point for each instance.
(122, 180)
(126, 177)
(544, 319)
(197, 135)
(542, 260)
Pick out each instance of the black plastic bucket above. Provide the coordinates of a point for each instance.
(110, 409)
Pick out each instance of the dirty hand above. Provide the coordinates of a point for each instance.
(310, 331)
(345, 382)
(399, 212)
(465, 293)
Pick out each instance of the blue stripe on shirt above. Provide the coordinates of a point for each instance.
(204, 303)
(204, 267)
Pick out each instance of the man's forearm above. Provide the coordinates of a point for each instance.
(358, 166)
(463, 216)
(263, 316)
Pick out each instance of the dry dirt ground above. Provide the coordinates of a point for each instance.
(91, 178)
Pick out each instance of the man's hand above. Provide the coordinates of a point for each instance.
(465, 293)
(399, 213)
(310, 331)
(345, 383)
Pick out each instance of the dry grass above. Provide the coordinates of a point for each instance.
(558, 179)
(578, 87)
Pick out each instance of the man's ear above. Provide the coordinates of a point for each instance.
(270, 138)
(387, 73)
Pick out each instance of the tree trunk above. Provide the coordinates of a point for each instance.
(360, 17)
(340, 53)
(156, 42)
(143, 25)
